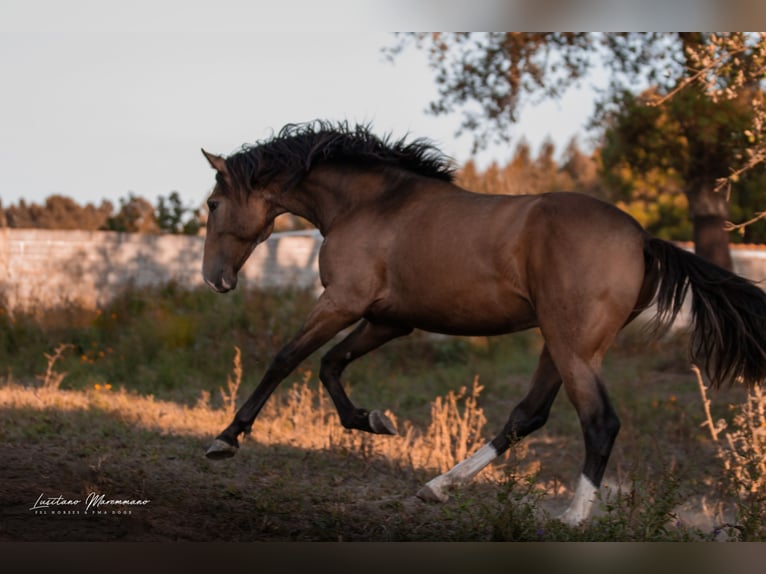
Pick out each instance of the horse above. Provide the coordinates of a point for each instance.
(406, 248)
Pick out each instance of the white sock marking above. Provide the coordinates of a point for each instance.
(581, 506)
(461, 472)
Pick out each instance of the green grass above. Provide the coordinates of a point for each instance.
(175, 343)
(167, 341)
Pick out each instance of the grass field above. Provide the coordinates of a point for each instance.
(122, 402)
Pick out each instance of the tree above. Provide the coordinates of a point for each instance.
(581, 169)
(136, 215)
(655, 153)
(525, 174)
(58, 212)
(489, 75)
(173, 217)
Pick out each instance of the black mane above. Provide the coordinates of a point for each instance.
(299, 147)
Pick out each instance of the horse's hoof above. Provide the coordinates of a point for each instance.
(571, 518)
(428, 494)
(381, 424)
(221, 449)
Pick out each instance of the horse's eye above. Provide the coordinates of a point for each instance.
(211, 205)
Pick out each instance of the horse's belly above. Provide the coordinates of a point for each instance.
(467, 315)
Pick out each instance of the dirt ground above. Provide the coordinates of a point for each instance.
(267, 492)
(78, 446)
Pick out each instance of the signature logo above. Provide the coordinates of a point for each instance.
(93, 503)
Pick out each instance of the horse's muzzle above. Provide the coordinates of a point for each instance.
(223, 286)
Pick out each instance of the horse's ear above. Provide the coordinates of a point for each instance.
(216, 161)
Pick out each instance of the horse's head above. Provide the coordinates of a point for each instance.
(239, 218)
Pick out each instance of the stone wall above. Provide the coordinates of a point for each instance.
(42, 269)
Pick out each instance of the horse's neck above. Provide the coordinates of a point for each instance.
(327, 194)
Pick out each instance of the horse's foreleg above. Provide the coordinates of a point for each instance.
(529, 415)
(363, 339)
(325, 321)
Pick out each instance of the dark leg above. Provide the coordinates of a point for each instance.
(532, 412)
(363, 339)
(325, 321)
(529, 415)
(600, 425)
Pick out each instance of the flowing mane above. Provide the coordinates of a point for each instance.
(299, 147)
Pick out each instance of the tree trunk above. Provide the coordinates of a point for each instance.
(709, 211)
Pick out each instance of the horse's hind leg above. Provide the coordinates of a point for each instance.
(532, 412)
(600, 425)
(529, 415)
(363, 339)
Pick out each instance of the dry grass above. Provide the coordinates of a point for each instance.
(164, 417)
(302, 416)
(305, 417)
(52, 379)
(233, 382)
(741, 448)
(299, 471)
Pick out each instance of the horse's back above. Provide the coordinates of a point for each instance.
(465, 263)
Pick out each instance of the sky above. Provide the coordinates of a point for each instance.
(95, 113)
(99, 99)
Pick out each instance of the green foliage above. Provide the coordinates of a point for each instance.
(691, 137)
(488, 76)
(643, 512)
(176, 342)
(174, 217)
(746, 203)
(519, 518)
(162, 340)
(661, 162)
(136, 215)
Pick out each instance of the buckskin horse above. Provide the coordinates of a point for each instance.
(406, 248)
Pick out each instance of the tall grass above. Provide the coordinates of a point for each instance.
(741, 450)
(174, 343)
(167, 341)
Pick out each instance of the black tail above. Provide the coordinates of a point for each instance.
(728, 312)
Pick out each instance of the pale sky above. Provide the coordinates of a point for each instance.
(101, 99)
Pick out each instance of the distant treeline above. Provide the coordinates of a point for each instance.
(656, 198)
(134, 214)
